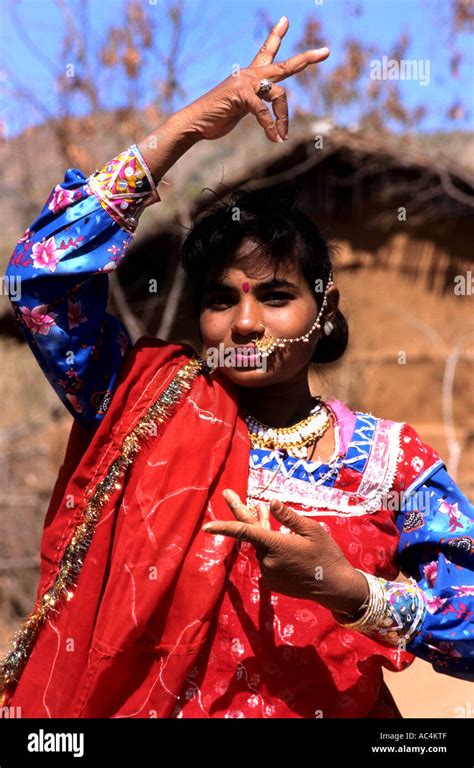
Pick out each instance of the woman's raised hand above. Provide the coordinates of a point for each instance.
(218, 111)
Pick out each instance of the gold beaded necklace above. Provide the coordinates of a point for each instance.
(295, 439)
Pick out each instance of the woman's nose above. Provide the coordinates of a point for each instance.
(247, 324)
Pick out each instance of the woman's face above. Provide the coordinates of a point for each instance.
(240, 302)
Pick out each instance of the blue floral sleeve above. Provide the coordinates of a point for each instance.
(437, 549)
(431, 614)
(59, 272)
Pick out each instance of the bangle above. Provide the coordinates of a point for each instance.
(361, 611)
(393, 613)
(374, 605)
(125, 187)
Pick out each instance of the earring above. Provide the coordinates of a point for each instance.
(328, 327)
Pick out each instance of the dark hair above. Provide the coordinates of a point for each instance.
(281, 231)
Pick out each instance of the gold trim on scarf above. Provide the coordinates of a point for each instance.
(76, 551)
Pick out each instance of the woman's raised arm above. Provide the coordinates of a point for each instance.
(60, 265)
(87, 224)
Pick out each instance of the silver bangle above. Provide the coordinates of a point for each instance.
(394, 613)
(376, 605)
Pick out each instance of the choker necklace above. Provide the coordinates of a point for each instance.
(293, 440)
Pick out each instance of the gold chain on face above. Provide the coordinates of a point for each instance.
(269, 343)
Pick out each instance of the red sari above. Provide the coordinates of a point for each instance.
(155, 597)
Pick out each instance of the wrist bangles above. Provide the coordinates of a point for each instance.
(392, 612)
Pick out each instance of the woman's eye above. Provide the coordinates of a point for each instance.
(217, 302)
(278, 298)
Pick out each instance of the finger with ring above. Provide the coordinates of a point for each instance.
(279, 102)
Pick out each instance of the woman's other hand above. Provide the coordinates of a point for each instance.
(307, 565)
(218, 111)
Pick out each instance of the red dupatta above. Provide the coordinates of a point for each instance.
(148, 584)
(86, 656)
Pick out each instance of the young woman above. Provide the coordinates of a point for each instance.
(220, 542)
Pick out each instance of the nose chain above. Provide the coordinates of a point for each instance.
(269, 343)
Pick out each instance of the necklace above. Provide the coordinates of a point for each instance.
(293, 440)
(262, 491)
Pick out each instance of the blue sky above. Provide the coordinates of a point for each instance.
(221, 33)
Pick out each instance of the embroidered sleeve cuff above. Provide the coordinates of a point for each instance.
(125, 187)
(395, 612)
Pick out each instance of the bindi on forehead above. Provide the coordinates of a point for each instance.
(245, 287)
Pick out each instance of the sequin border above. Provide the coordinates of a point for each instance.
(76, 551)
